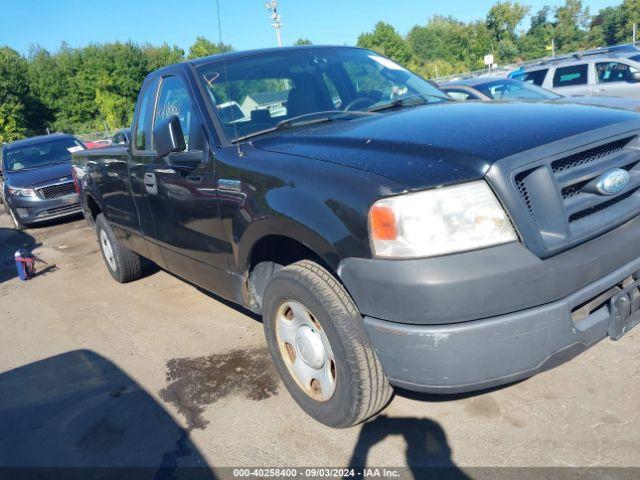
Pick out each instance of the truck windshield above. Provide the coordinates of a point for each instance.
(24, 157)
(253, 94)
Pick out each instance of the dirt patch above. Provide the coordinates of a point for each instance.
(483, 406)
(195, 383)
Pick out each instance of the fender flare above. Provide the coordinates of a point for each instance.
(284, 227)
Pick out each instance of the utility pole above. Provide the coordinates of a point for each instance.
(553, 47)
(272, 6)
(635, 30)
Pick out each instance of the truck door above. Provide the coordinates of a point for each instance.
(182, 195)
(141, 159)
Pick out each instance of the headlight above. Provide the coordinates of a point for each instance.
(22, 192)
(439, 221)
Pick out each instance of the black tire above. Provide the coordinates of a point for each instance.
(361, 387)
(123, 265)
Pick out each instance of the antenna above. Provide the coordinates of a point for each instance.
(272, 6)
(226, 82)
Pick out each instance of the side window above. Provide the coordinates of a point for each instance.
(460, 94)
(536, 77)
(570, 76)
(142, 128)
(614, 72)
(174, 99)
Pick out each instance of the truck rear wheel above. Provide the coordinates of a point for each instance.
(123, 264)
(319, 346)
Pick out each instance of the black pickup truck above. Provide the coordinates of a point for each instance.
(387, 235)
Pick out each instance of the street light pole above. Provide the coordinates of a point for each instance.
(272, 6)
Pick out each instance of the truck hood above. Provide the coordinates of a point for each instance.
(442, 144)
(57, 172)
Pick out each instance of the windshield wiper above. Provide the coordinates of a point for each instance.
(40, 165)
(304, 120)
(409, 101)
(51, 163)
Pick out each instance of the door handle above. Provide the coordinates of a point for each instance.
(150, 184)
(599, 90)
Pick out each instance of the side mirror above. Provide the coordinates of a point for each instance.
(635, 77)
(168, 137)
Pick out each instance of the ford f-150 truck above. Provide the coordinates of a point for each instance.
(387, 235)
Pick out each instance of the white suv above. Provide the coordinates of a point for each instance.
(613, 75)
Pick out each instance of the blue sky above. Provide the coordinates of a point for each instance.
(245, 23)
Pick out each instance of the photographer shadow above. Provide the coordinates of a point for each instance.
(428, 454)
(79, 416)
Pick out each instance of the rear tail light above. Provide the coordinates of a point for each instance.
(76, 183)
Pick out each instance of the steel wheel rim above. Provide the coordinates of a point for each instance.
(107, 250)
(305, 350)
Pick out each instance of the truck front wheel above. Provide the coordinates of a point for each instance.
(123, 264)
(319, 346)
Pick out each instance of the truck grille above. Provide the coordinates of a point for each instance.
(601, 206)
(552, 201)
(57, 191)
(574, 172)
(588, 155)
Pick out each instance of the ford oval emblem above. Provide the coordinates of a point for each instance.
(612, 182)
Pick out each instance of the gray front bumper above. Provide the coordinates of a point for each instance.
(484, 353)
(483, 283)
(33, 210)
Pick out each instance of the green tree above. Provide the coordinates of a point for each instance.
(608, 26)
(572, 19)
(46, 84)
(82, 89)
(631, 10)
(445, 38)
(386, 40)
(503, 19)
(162, 56)
(120, 69)
(538, 38)
(303, 41)
(14, 92)
(203, 48)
